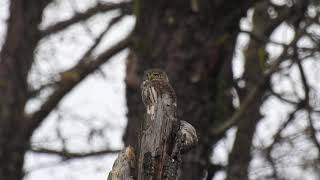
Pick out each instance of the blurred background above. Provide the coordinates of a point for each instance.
(246, 74)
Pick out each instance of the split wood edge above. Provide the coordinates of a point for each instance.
(161, 146)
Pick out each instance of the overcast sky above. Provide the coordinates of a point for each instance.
(99, 101)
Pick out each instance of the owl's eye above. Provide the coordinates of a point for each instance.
(154, 76)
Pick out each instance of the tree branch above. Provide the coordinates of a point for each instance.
(283, 99)
(69, 155)
(313, 132)
(277, 138)
(99, 8)
(250, 98)
(69, 79)
(304, 82)
(256, 89)
(261, 39)
(34, 93)
(306, 102)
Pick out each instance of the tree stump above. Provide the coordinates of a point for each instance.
(163, 138)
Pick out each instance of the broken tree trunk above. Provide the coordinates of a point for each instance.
(162, 140)
(123, 166)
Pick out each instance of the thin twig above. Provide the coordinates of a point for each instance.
(79, 72)
(99, 8)
(279, 96)
(254, 91)
(69, 155)
(276, 138)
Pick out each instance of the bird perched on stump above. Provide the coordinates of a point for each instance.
(156, 84)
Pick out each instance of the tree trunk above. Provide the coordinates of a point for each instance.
(158, 141)
(255, 63)
(163, 136)
(15, 62)
(193, 41)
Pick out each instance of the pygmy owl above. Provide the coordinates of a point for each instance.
(156, 84)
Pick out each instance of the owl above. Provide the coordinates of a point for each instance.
(155, 85)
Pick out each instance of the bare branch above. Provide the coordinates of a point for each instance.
(69, 80)
(99, 8)
(304, 81)
(313, 132)
(280, 96)
(302, 74)
(261, 39)
(70, 155)
(99, 38)
(253, 94)
(306, 87)
(277, 138)
(250, 98)
(34, 93)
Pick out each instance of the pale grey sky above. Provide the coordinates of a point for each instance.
(100, 99)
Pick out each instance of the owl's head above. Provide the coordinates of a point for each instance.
(155, 74)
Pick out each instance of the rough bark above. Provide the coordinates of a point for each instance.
(255, 66)
(194, 44)
(240, 157)
(157, 141)
(15, 61)
(163, 137)
(124, 165)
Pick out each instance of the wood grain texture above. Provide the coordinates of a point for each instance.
(157, 140)
(124, 165)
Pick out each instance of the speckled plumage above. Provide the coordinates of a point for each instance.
(156, 84)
